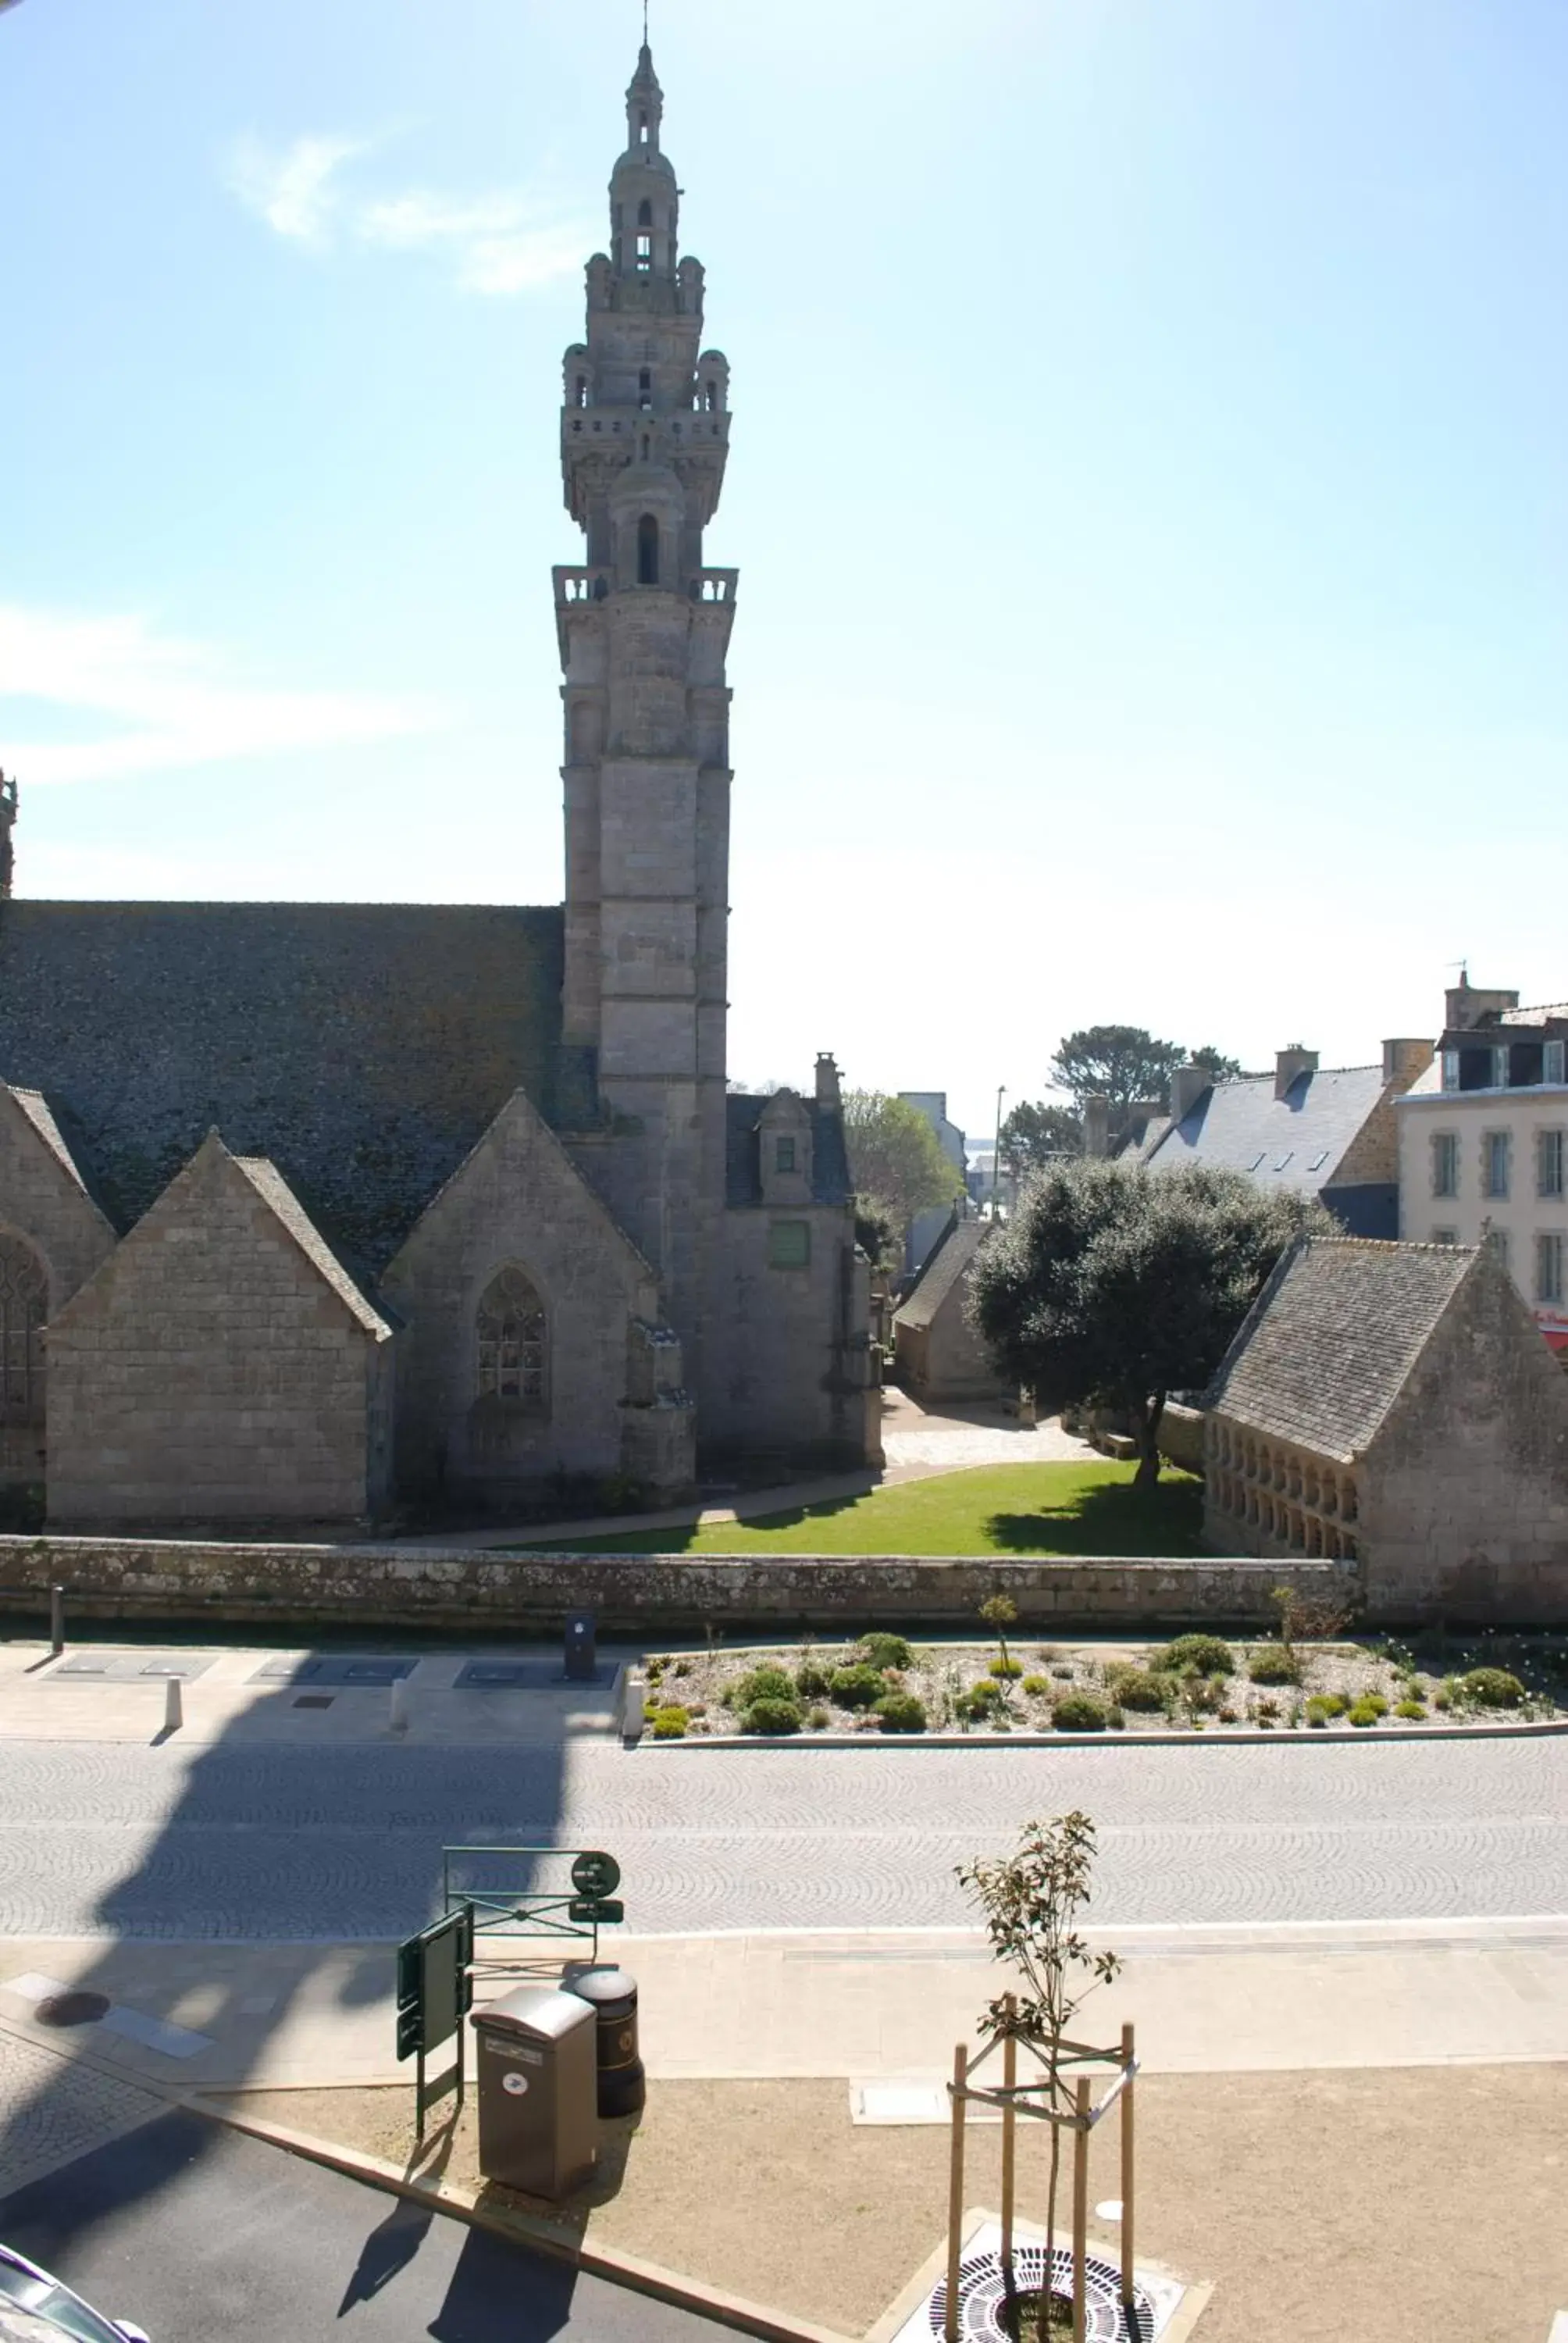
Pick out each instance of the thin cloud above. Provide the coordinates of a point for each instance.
(292, 189)
(497, 244)
(158, 703)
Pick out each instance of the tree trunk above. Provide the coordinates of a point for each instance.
(1148, 1472)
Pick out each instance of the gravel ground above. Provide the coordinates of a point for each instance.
(1422, 2201)
(705, 1687)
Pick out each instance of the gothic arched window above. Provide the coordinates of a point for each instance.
(513, 1342)
(647, 550)
(645, 214)
(24, 1306)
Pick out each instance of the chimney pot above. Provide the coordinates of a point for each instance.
(1290, 1064)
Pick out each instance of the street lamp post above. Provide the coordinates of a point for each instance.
(996, 1159)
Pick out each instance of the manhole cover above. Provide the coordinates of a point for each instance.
(982, 2297)
(81, 2008)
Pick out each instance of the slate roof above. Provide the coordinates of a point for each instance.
(942, 1272)
(276, 1192)
(362, 1048)
(1296, 1141)
(743, 1155)
(1332, 1339)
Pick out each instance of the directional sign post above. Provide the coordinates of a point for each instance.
(435, 1994)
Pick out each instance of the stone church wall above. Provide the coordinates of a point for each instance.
(518, 1202)
(208, 1374)
(44, 1206)
(786, 1360)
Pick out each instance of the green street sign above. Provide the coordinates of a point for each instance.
(595, 1874)
(597, 1911)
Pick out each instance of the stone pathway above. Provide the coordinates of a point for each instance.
(55, 2104)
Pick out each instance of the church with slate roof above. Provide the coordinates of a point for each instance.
(313, 1212)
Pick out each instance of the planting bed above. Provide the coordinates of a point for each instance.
(1195, 1684)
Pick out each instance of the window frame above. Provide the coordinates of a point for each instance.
(1550, 1151)
(785, 1151)
(1550, 1245)
(517, 1351)
(776, 1248)
(1496, 1146)
(1445, 1161)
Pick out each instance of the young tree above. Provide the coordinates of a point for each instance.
(896, 1162)
(1122, 1063)
(1030, 1904)
(1214, 1063)
(1116, 1285)
(1035, 1132)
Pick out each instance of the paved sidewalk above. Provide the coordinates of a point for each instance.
(864, 2007)
(232, 1701)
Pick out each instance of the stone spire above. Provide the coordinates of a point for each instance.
(644, 107)
(7, 822)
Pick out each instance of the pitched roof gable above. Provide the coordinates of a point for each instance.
(35, 1110)
(1333, 1339)
(942, 1272)
(280, 1199)
(1295, 1141)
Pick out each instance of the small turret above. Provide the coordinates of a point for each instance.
(7, 822)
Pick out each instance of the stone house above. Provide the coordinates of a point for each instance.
(1393, 1408)
(1328, 1133)
(1483, 1144)
(938, 1353)
(486, 1155)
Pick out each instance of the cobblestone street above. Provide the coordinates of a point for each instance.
(269, 1843)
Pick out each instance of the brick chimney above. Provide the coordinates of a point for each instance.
(827, 1080)
(1467, 1005)
(1188, 1084)
(1404, 1062)
(1290, 1064)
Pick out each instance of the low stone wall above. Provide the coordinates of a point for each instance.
(380, 1586)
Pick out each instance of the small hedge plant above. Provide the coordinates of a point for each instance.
(1006, 1668)
(767, 1682)
(670, 1724)
(1323, 1706)
(1080, 1711)
(1036, 1686)
(1210, 1654)
(1370, 1709)
(771, 1716)
(1271, 1663)
(900, 1712)
(884, 1650)
(979, 1702)
(1410, 1708)
(858, 1685)
(812, 1679)
(1492, 1688)
(1142, 1689)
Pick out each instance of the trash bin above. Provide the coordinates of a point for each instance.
(538, 2130)
(612, 1993)
(579, 1657)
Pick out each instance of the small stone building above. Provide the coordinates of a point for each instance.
(938, 1353)
(1393, 1408)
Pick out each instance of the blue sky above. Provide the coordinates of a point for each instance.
(1148, 484)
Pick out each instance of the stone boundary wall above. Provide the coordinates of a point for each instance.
(381, 1586)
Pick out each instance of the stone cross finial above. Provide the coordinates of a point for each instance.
(7, 821)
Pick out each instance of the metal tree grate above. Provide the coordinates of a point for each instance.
(982, 2296)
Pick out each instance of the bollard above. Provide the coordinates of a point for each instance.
(173, 1705)
(56, 1621)
(397, 1716)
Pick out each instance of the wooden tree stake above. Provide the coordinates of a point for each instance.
(1080, 2211)
(1127, 2148)
(956, 2195)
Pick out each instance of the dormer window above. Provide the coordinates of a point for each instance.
(784, 1154)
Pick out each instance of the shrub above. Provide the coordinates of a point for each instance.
(683, 1667)
(900, 1712)
(670, 1724)
(857, 1686)
(766, 1683)
(812, 1680)
(1036, 1686)
(656, 1672)
(978, 1702)
(1373, 1700)
(1137, 1689)
(1116, 1720)
(884, 1650)
(1210, 1654)
(1492, 1688)
(1323, 1706)
(1080, 1711)
(1316, 1718)
(1007, 1668)
(1411, 1708)
(819, 1719)
(1271, 1663)
(1063, 1675)
(1366, 1712)
(771, 1716)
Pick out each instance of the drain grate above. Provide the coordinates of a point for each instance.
(340, 1669)
(78, 2008)
(313, 1700)
(982, 2297)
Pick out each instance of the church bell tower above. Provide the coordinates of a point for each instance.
(644, 628)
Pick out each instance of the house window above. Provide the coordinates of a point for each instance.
(789, 1244)
(1549, 1251)
(513, 1342)
(24, 1305)
(784, 1155)
(1445, 1164)
(1549, 1162)
(1552, 1069)
(1495, 1153)
(1451, 1069)
(647, 550)
(1444, 1236)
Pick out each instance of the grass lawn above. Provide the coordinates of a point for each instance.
(1045, 1509)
